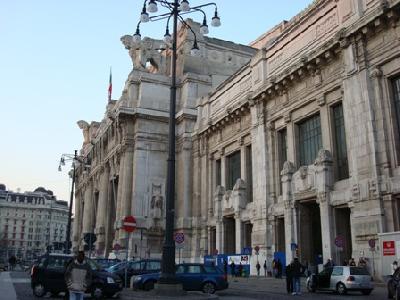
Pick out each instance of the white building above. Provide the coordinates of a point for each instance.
(30, 222)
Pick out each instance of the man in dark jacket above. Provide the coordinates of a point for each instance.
(78, 277)
(297, 270)
(289, 278)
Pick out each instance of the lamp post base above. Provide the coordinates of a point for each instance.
(169, 289)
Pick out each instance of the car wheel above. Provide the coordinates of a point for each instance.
(310, 288)
(208, 288)
(366, 292)
(397, 294)
(97, 292)
(39, 290)
(390, 295)
(341, 289)
(148, 285)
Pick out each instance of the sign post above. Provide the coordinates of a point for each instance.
(129, 225)
(179, 239)
(371, 244)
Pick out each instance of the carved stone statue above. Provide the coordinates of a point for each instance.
(84, 126)
(156, 202)
(146, 55)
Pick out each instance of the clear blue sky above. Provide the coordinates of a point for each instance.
(54, 66)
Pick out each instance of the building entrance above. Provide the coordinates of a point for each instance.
(309, 235)
(280, 235)
(343, 229)
(229, 235)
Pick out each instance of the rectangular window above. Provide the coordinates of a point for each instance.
(341, 162)
(310, 140)
(233, 171)
(249, 174)
(218, 172)
(282, 154)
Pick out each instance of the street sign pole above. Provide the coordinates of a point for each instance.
(90, 245)
(126, 260)
(129, 225)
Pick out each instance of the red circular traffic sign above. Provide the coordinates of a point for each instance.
(179, 237)
(129, 224)
(256, 248)
(339, 241)
(117, 247)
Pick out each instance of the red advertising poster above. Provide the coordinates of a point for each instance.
(388, 248)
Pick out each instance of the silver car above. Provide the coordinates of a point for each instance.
(341, 279)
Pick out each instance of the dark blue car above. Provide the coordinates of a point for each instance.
(194, 277)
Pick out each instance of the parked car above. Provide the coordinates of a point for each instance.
(3, 265)
(341, 279)
(135, 268)
(106, 263)
(393, 285)
(47, 275)
(194, 277)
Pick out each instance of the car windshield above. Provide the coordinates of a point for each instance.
(358, 271)
(94, 266)
(117, 267)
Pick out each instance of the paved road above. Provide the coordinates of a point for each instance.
(16, 286)
(271, 288)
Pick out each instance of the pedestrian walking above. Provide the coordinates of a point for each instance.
(225, 267)
(352, 262)
(275, 268)
(328, 263)
(258, 267)
(297, 270)
(265, 268)
(394, 267)
(279, 268)
(12, 261)
(240, 269)
(78, 277)
(289, 278)
(232, 265)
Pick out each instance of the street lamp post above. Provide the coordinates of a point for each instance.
(76, 160)
(176, 9)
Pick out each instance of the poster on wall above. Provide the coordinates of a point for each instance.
(237, 259)
(389, 248)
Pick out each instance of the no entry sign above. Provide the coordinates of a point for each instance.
(129, 224)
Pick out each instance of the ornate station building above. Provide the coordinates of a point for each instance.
(293, 139)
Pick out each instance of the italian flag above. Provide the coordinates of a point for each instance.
(110, 87)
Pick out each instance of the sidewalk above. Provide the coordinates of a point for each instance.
(7, 290)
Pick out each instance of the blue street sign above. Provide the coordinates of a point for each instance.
(247, 251)
(293, 246)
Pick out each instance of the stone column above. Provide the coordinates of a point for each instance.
(102, 210)
(88, 210)
(187, 176)
(118, 216)
(223, 169)
(287, 173)
(126, 190)
(260, 175)
(324, 183)
(219, 227)
(238, 233)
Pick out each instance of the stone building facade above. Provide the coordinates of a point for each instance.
(30, 222)
(299, 146)
(128, 148)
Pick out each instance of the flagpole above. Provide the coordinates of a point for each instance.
(110, 86)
